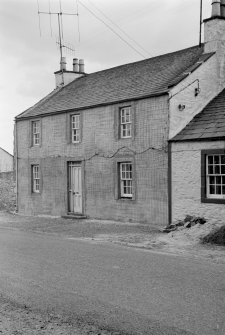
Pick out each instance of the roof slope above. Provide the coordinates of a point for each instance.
(149, 77)
(208, 124)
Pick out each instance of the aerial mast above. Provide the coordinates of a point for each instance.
(60, 31)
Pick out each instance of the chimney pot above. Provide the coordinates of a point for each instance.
(216, 8)
(81, 66)
(75, 65)
(63, 64)
(222, 7)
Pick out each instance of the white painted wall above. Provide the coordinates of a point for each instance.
(6, 161)
(211, 77)
(186, 181)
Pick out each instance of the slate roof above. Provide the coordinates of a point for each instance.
(208, 124)
(141, 79)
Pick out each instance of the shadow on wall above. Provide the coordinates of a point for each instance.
(7, 191)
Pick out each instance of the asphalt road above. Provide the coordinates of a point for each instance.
(130, 290)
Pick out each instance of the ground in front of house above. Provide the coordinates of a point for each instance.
(15, 319)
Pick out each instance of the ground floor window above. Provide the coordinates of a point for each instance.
(126, 179)
(35, 178)
(215, 177)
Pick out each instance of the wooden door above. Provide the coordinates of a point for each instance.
(75, 188)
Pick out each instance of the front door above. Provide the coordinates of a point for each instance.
(75, 188)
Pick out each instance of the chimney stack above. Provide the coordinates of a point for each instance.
(75, 65)
(63, 64)
(81, 66)
(64, 76)
(216, 8)
(222, 8)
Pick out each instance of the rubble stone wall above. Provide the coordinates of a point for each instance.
(7, 191)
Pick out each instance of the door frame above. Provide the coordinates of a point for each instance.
(80, 164)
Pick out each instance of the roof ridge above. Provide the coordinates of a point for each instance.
(147, 59)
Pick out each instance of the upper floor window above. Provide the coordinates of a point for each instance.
(125, 122)
(126, 180)
(36, 132)
(215, 176)
(35, 178)
(75, 128)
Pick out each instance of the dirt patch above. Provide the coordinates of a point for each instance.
(20, 320)
(180, 242)
(217, 236)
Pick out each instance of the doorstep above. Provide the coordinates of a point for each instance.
(74, 216)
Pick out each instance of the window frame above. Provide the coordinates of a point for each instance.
(124, 125)
(34, 179)
(78, 129)
(124, 181)
(33, 122)
(117, 189)
(206, 197)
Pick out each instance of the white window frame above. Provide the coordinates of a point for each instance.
(215, 171)
(126, 179)
(36, 133)
(125, 122)
(36, 178)
(75, 128)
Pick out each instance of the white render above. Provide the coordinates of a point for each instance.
(186, 181)
(6, 161)
(210, 75)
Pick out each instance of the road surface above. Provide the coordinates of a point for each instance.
(129, 290)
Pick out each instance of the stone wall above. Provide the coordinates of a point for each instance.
(7, 191)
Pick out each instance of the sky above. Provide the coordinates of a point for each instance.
(30, 55)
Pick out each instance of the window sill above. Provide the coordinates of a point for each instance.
(213, 200)
(126, 199)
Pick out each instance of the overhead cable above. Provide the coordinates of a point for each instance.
(118, 27)
(108, 26)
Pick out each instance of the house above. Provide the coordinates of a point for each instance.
(6, 161)
(198, 165)
(97, 145)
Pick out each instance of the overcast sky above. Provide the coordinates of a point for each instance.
(29, 60)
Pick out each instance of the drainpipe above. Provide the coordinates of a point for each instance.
(16, 161)
(169, 182)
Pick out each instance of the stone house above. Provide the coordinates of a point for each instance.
(97, 145)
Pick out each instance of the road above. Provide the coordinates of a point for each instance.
(130, 290)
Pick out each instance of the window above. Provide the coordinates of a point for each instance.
(125, 122)
(75, 128)
(215, 176)
(36, 132)
(35, 179)
(126, 180)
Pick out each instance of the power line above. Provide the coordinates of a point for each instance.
(118, 27)
(78, 20)
(108, 26)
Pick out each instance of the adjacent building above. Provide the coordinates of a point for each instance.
(6, 161)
